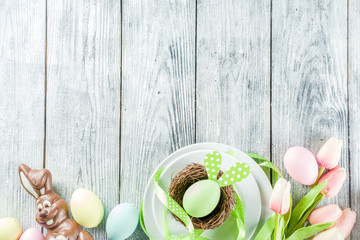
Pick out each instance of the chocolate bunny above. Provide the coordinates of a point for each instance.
(52, 211)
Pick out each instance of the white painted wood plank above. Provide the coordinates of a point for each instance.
(233, 74)
(309, 80)
(158, 89)
(354, 114)
(22, 79)
(83, 103)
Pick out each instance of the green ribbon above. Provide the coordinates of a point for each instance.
(267, 230)
(212, 163)
(142, 221)
(266, 164)
(172, 206)
(239, 213)
(176, 209)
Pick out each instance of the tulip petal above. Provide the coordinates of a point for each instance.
(276, 196)
(280, 197)
(286, 199)
(346, 222)
(330, 234)
(330, 153)
(325, 214)
(335, 180)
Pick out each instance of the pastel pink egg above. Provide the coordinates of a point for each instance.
(301, 165)
(32, 234)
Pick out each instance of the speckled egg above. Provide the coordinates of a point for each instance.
(201, 198)
(86, 208)
(301, 165)
(32, 234)
(10, 229)
(122, 221)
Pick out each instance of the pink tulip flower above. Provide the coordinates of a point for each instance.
(329, 213)
(330, 153)
(335, 180)
(346, 222)
(280, 197)
(330, 234)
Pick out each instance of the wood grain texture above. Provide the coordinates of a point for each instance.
(233, 74)
(193, 71)
(22, 78)
(309, 86)
(158, 114)
(83, 103)
(354, 108)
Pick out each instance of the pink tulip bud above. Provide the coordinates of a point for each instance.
(330, 234)
(335, 180)
(326, 214)
(280, 197)
(330, 153)
(346, 222)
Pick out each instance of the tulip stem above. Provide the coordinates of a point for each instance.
(276, 226)
(279, 227)
(321, 171)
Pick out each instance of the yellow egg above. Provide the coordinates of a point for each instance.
(86, 208)
(10, 229)
(201, 198)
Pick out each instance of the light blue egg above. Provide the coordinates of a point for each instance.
(122, 221)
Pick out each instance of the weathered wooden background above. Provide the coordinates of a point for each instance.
(101, 91)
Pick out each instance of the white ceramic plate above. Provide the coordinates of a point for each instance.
(248, 192)
(260, 177)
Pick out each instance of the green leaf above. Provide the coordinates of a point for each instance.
(303, 219)
(309, 231)
(267, 229)
(305, 203)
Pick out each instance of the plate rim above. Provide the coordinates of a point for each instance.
(258, 195)
(264, 186)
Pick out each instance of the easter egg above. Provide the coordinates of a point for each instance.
(301, 165)
(122, 221)
(32, 234)
(86, 208)
(10, 229)
(201, 198)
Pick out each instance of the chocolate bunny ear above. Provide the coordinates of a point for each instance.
(35, 182)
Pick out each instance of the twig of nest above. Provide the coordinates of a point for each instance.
(184, 179)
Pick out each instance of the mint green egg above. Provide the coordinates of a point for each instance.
(201, 198)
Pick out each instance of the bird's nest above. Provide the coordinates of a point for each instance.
(184, 179)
